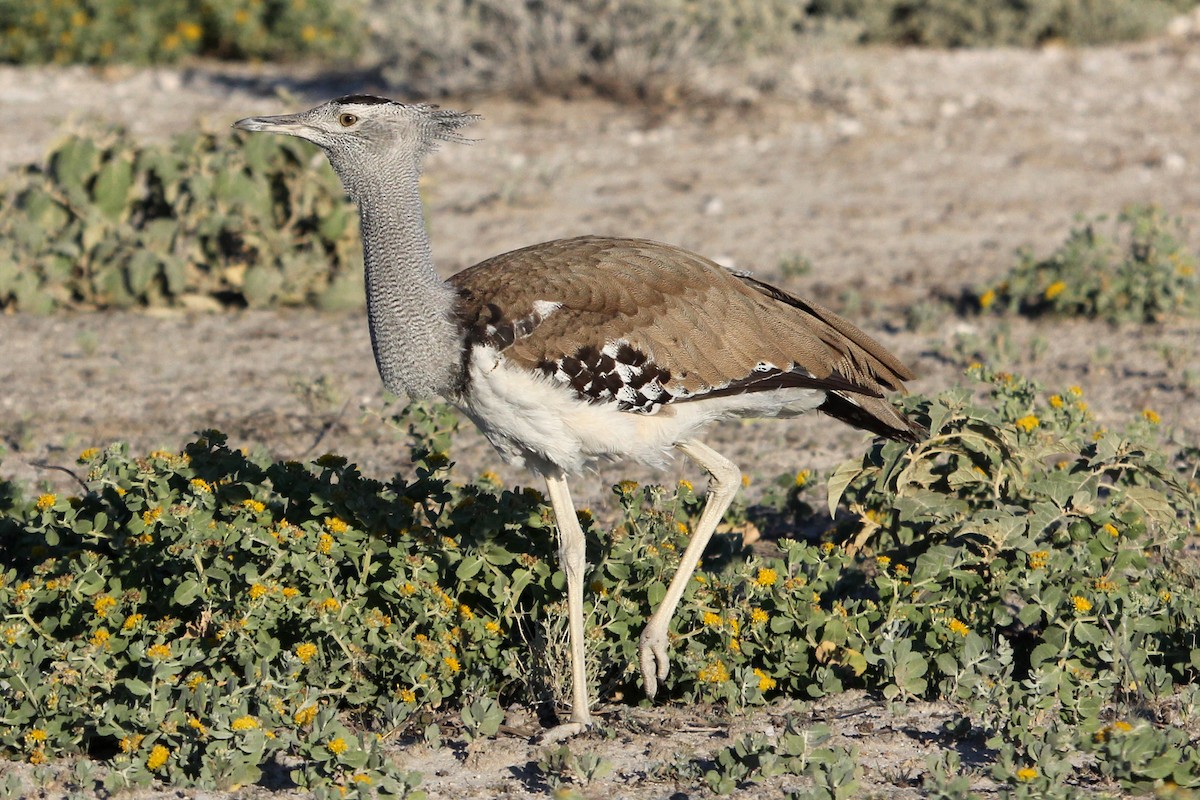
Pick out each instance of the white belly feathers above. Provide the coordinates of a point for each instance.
(538, 422)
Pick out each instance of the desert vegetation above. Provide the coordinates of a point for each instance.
(209, 618)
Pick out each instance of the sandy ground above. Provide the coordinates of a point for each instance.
(901, 176)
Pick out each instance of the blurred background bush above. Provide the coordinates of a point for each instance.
(456, 46)
(165, 31)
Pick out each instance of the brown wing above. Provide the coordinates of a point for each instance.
(643, 324)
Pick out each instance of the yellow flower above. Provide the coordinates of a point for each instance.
(246, 723)
(827, 547)
(308, 33)
(362, 777)
(959, 627)
(131, 743)
(151, 515)
(803, 477)
(1038, 559)
(712, 620)
(35, 736)
(257, 591)
(452, 663)
(330, 604)
(715, 672)
(1082, 604)
(766, 577)
(201, 485)
(198, 726)
(1111, 530)
(1027, 423)
(758, 616)
(336, 525)
(1056, 401)
(194, 681)
(1122, 726)
(324, 543)
(190, 31)
(1027, 774)
(1165, 596)
(46, 501)
(987, 298)
(745, 481)
(765, 682)
(1149, 415)
(1105, 585)
(408, 696)
(1075, 390)
(883, 561)
(100, 638)
(686, 485)
(305, 716)
(1054, 290)
(104, 604)
(132, 621)
(627, 487)
(158, 756)
(492, 627)
(254, 505)
(305, 652)
(337, 746)
(290, 591)
(158, 651)
(465, 611)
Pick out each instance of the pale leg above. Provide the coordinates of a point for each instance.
(572, 556)
(726, 480)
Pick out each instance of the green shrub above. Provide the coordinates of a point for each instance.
(1143, 273)
(126, 31)
(194, 615)
(796, 752)
(108, 222)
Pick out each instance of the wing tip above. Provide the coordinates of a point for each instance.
(875, 416)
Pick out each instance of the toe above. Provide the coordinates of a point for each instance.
(560, 732)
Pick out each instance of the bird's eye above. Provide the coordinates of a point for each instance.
(347, 120)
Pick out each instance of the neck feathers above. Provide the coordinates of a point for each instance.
(414, 334)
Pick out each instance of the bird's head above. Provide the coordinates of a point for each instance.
(363, 133)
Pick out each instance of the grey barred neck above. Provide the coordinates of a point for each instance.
(414, 333)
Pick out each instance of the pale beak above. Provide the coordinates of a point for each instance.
(285, 123)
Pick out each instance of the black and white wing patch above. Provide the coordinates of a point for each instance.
(618, 373)
(493, 329)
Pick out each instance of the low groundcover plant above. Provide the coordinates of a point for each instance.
(196, 617)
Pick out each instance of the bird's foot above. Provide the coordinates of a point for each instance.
(652, 651)
(564, 731)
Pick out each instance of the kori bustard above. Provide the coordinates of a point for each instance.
(576, 350)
